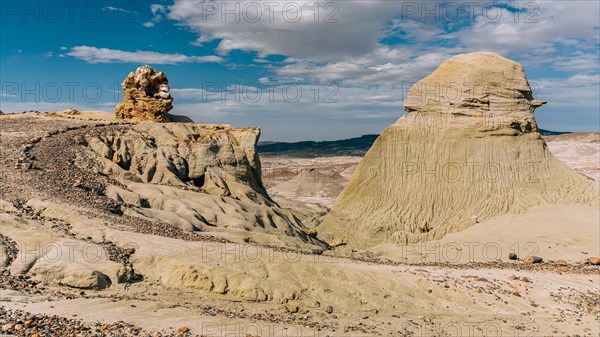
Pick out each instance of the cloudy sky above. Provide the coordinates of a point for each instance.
(298, 69)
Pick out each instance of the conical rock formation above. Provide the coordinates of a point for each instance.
(467, 150)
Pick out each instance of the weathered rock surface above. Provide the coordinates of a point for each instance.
(190, 280)
(196, 177)
(71, 111)
(145, 96)
(53, 260)
(468, 149)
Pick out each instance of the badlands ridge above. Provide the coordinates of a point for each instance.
(149, 224)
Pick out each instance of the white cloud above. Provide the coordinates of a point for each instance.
(343, 28)
(577, 62)
(535, 28)
(105, 55)
(188, 93)
(572, 102)
(157, 14)
(116, 9)
(353, 111)
(350, 50)
(414, 30)
(157, 9)
(384, 66)
(323, 113)
(544, 24)
(579, 90)
(3, 94)
(361, 24)
(354, 54)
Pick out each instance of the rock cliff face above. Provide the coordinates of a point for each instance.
(467, 150)
(197, 177)
(146, 96)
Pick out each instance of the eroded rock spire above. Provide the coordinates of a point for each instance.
(146, 96)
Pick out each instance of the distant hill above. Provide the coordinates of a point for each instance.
(310, 149)
(345, 147)
(552, 133)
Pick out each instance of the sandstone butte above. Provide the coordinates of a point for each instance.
(194, 176)
(468, 149)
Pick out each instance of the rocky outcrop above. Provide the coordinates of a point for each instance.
(54, 260)
(71, 111)
(197, 177)
(467, 150)
(219, 159)
(146, 96)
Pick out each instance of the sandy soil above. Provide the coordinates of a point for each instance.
(568, 232)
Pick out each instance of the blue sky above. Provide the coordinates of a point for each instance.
(297, 70)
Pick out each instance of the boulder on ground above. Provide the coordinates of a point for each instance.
(532, 259)
(423, 227)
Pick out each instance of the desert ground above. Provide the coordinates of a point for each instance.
(170, 281)
(142, 223)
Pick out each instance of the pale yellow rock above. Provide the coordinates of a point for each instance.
(180, 154)
(145, 96)
(468, 149)
(311, 231)
(71, 112)
(124, 196)
(53, 260)
(75, 264)
(7, 207)
(237, 275)
(423, 226)
(197, 177)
